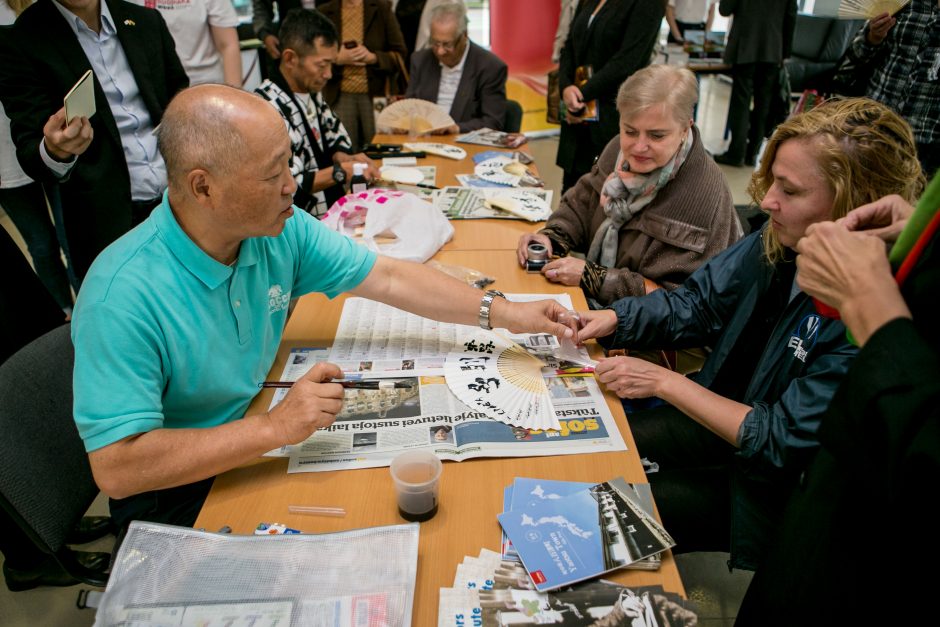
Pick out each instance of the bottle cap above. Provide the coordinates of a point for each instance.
(359, 169)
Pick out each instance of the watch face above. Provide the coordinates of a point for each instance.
(339, 174)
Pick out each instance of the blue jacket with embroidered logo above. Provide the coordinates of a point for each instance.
(804, 359)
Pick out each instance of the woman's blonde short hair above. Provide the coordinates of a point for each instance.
(863, 149)
(667, 85)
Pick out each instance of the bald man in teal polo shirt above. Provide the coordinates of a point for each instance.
(179, 320)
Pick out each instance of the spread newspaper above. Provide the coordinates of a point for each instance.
(466, 203)
(416, 409)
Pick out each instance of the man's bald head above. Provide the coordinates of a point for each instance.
(208, 126)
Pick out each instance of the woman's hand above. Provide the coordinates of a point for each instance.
(849, 271)
(359, 55)
(885, 218)
(566, 270)
(273, 46)
(529, 238)
(573, 98)
(574, 102)
(629, 377)
(596, 323)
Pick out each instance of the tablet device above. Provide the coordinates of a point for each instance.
(80, 101)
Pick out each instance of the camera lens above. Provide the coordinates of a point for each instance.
(536, 252)
(536, 257)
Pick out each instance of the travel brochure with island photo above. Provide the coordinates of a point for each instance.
(525, 492)
(594, 530)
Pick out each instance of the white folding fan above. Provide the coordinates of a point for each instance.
(396, 174)
(867, 9)
(521, 203)
(504, 170)
(412, 114)
(502, 380)
(437, 148)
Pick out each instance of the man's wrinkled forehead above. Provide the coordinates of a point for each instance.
(322, 51)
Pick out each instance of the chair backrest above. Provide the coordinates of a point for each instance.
(46, 482)
(512, 121)
(823, 39)
(810, 33)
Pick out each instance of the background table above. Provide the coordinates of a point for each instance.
(471, 491)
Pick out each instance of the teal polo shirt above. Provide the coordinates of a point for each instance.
(167, 337)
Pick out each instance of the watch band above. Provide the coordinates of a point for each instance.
(485, 303)
(339, 174)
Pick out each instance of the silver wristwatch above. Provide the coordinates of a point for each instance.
(485, 305)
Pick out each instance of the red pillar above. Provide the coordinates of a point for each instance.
(522, 32)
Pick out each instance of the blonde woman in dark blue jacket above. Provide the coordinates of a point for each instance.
(732, 441)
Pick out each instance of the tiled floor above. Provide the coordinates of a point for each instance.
(705, 575)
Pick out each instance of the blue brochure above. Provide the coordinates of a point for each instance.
(525, 492)
(531, 492)
(590, 532)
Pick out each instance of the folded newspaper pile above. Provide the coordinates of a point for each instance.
(489, 592)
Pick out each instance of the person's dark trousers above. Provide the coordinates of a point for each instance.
(752, 81)
(173, 506)
(141, 209)
(26, 206)
(569, 179)
(692, 487)
(269, 67)
(27, 309)
(684, 26)
(18, 550)
(584, 156)
(58, 218)
(929, 155)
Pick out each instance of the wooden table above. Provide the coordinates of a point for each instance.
(489, 234)
(471, 491)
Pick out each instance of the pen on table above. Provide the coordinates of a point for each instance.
(371, 384)
(316, 511)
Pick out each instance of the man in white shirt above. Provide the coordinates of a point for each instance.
(206, 38)
(683, 15)
(460, 76)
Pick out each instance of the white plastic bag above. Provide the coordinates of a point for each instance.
(392, 223)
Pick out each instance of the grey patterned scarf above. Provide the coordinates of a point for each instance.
(626, 198)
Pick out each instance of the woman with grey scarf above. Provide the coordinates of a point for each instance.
(654, 207)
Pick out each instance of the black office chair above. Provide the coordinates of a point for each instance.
(46, 484)
(512, 121)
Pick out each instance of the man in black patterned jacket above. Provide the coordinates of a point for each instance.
(321, 161)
